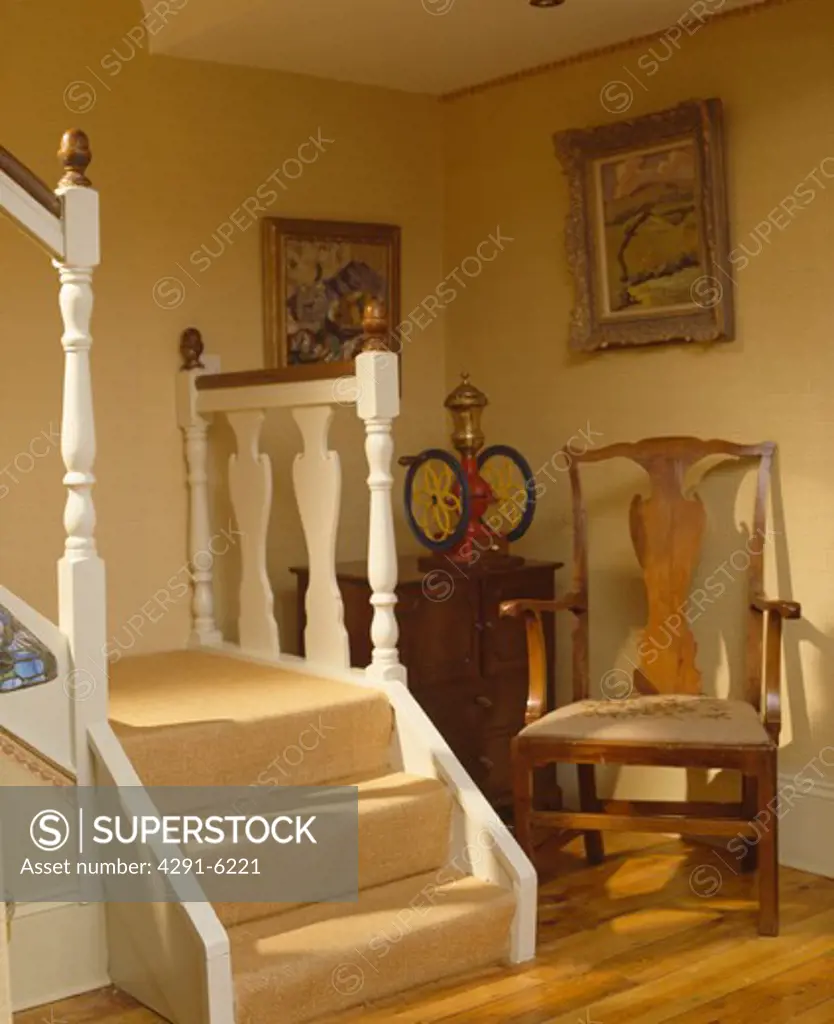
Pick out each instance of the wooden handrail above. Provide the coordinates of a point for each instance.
(191, 352)
(375, 339)
(29, 182)
(280, 375)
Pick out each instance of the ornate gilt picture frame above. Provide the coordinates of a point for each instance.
(318, 278)
(647, 232)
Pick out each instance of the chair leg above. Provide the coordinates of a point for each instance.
(750, 859)
(522, 799)
(594, 848)
(768, 847)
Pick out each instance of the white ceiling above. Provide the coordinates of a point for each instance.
(433, 46)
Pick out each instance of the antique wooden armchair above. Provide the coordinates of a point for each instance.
(664, 719)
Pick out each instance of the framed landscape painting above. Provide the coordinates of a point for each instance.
(647, 232)
(318, 278)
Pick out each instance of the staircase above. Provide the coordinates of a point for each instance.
(198, 719)
(444, 887)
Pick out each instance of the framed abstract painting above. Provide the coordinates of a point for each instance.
(318, 278)
(647, 233)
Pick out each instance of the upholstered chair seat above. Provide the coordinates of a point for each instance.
(673, 718)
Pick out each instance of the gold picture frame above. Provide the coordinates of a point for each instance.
(647, 229)
(318, 277)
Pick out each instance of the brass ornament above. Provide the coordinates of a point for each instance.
(75, 155)
(466, 403)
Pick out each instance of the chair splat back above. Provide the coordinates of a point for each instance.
(667, 528)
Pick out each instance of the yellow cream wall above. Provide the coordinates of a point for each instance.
(773, 70)
(178, 147)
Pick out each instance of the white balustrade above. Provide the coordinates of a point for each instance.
(250, 484)
(204, 631)
(317, 477)
(378, 403)
(244, 398)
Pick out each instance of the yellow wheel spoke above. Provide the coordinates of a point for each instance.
(433, 484)
(509, 489)
(435, 506)
(443, 520)
(423, 519)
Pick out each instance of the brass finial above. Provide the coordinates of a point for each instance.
(466, 403)
(75, 155)
(375, 327)
(191, 348)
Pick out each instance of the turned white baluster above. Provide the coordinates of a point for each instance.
(204, 631)
(250, 483)
(317, 476)
(378, 404)
(81, 583)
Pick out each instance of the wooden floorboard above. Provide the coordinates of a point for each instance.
(661, 933)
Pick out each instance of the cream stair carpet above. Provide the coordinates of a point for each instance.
(195, 719)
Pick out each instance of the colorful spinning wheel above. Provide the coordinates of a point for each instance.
(437, 499)
(511, 481)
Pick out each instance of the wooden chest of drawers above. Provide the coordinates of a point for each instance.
(466, 666)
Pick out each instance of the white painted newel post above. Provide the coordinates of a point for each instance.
(81, 583)
(204, 631)
(378, 404)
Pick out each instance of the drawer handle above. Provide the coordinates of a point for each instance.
(483, 702)
(486, 763)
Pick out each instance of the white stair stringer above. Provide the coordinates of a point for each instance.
(171, 956)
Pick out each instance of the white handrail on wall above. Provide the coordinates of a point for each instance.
(245, 398)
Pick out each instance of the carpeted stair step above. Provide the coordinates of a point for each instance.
(194, 719)
(324, 958)
(404, 827)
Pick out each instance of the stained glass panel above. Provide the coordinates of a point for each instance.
(24, 660)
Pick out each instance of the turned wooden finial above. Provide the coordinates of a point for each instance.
(75, 155)
(191, 348)
(375, 327)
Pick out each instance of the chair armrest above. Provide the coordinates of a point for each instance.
(522, 605)
(536, 657)
(531, 610)
(777, 611)
(773, 676)
(785, 609)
